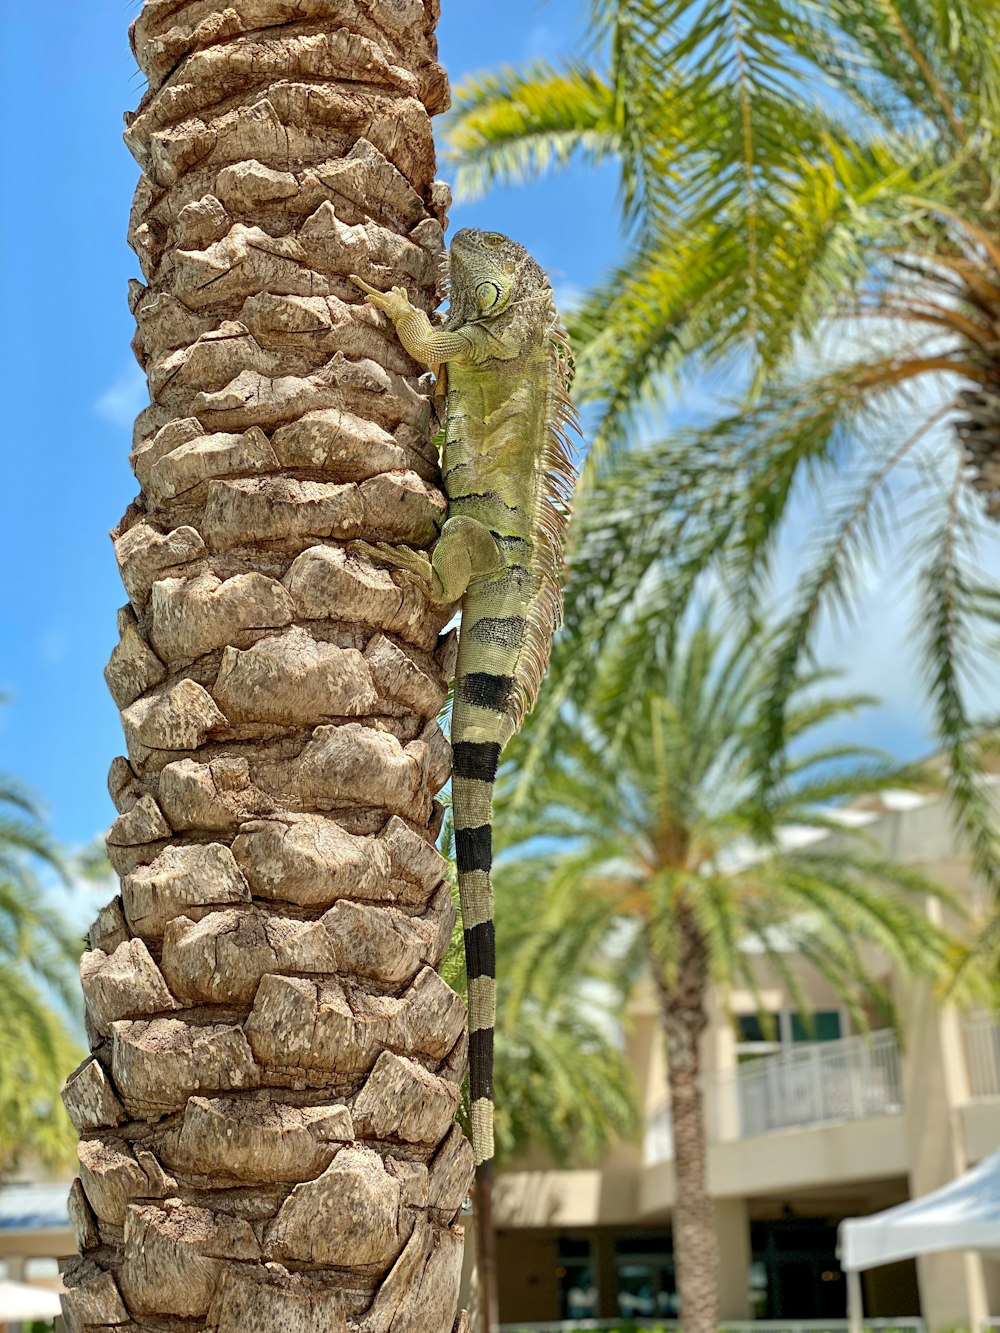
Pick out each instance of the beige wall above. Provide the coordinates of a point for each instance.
(853, 1151)
(980, 1122)
(732, 1226)
(566, 1199)
(54, 1244)
(952, 1286)
(527, 1261)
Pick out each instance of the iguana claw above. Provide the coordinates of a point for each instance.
(404, 558)
(395, 303)
(365, 287)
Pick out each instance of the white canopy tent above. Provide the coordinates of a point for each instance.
(20, 1302)
(962, 1215)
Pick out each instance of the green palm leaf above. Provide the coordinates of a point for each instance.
(514, 125)
(796, 174)
(39, 990)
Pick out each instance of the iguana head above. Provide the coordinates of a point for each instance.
(488, 273)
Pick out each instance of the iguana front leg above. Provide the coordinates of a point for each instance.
(431, 347)
(464, 553)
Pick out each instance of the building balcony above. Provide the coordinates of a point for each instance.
(982, 1055)
(979, 1115)
(853, 1078)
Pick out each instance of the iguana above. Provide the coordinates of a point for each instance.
(509, 477)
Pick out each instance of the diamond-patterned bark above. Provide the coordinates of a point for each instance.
(266, 1121)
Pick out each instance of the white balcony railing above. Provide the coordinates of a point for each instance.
(850, 1079)
(853, 1078)
(982, 1054)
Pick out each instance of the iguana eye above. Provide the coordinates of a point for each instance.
(493, 238)
(487, 295)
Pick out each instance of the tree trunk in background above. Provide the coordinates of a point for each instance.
(487, 1277)
(267, 1120)
(696, 1248)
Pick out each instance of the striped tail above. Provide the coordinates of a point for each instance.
(483, 719)
(472, 804)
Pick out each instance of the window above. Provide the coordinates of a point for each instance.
(750, 1028)
(644, 1270)
(825, 1026)
(577, 1288)
(788, 1028)
(758, 1289)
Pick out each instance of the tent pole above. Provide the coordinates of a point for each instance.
(854, 1302)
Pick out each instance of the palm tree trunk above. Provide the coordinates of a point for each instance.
(487, 1289)
(267, 1117)
(683, 1001)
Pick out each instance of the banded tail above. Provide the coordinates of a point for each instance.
(481, 725)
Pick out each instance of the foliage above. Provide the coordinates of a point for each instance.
(37, 989)
(810, 194)
(653, 797)
(652, 840)
(560, 1079)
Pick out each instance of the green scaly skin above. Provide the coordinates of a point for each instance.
(509, 479)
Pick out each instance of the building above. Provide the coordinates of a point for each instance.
(821, 1124)
(35, 1236)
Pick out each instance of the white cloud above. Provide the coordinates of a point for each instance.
(124, 398)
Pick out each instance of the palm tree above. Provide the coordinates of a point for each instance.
(560, 1077)
(810, 194)
(652, 794)
(37, 957)
(267, 1118)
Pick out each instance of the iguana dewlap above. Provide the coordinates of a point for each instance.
(509, 479)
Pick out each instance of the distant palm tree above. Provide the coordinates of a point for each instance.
(811, 195)
(560, 1077)
(38, 954)
(652, 797)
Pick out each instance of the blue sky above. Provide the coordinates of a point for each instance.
(70, 386)
(69, 383)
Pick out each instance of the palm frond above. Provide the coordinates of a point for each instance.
(852, 533)
(38, 955)
(946, 610)
(514, 125)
